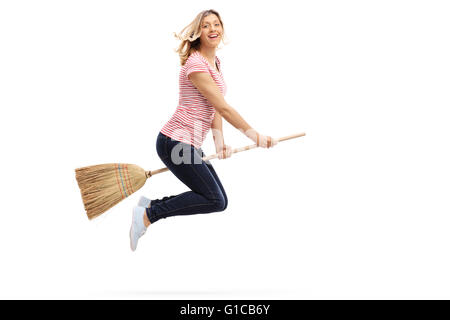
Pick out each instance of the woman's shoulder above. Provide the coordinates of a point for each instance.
(195, 58)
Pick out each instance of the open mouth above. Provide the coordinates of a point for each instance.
(213, 36)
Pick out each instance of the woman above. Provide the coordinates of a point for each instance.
(201, 108)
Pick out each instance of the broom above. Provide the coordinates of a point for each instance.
(103, 186)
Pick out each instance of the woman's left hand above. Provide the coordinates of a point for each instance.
(224, 152)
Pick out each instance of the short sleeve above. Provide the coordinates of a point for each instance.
(195, 64)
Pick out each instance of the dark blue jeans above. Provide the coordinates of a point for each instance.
(185, 162)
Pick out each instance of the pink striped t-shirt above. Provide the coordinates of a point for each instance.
(193, 116)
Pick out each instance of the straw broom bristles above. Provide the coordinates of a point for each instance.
(103, 186)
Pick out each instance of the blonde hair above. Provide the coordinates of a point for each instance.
(190, 35)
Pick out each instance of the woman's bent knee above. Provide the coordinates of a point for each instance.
(220, 203)
(226, 203)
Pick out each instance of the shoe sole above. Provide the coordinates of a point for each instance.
(131, 228)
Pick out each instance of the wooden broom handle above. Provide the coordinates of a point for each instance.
(213, 156)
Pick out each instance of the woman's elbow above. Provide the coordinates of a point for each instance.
(223, 110)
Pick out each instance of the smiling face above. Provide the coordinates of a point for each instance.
(211, 31)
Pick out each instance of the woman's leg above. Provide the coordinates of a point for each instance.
(206, 194)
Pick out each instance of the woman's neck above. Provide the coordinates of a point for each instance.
(209, 54)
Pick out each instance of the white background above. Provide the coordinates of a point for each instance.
(356, 209)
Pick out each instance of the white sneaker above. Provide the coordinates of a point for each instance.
(144, 202)
(138, 228)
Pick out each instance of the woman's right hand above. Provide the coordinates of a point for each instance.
(262, 140)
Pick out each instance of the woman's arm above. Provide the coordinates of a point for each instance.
(222, 149)
(209, 89)
(217, 132)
